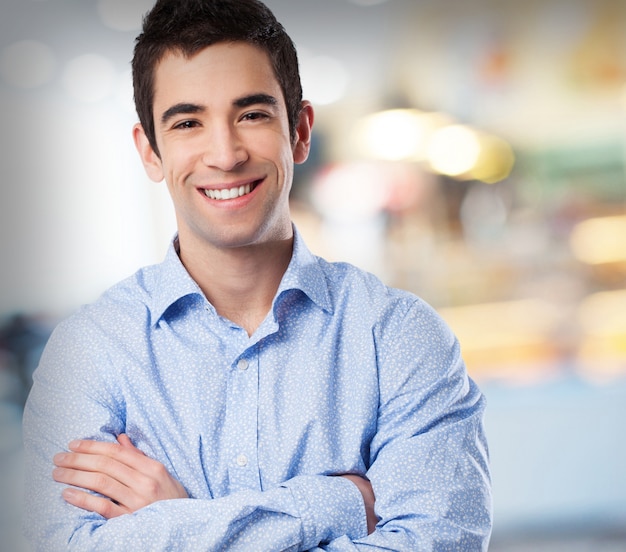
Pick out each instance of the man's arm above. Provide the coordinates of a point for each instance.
(127, 480)
(428, 464)
(429, 457)
(298, 515)
(74, 395)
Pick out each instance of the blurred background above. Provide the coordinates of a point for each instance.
(470, 151)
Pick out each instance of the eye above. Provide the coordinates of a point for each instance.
(185, 125)
(255, 116)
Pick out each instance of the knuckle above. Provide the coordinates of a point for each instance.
(159, 471)
(108, 509)
(152, 487)
(100, 483)
(80, 499)
(116, 451)
(103, 464)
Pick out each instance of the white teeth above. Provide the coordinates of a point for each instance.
(226, 193)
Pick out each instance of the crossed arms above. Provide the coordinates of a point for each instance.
(425, 463)
(126, 480)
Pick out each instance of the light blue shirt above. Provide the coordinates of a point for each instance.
(343, 375)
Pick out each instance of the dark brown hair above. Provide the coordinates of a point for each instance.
(188, 26)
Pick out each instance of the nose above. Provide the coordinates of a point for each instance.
(224, 149)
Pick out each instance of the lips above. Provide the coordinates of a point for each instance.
(231, 193)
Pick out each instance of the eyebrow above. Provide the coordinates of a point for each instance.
(254, 99)
(178, 109)
(189, 108)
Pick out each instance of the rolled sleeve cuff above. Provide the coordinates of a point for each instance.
(330, 507)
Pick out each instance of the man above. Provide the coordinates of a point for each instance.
(245, 394)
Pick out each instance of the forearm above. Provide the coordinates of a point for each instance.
(242, 521)
(432, 488)
(298, 515)
(436, 502)
(428, 460)
(278, 519)
(301, 513)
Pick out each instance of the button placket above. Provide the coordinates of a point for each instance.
(243, 470)
(242, 459)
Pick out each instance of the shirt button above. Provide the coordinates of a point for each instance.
(242, 364)
(242, 460)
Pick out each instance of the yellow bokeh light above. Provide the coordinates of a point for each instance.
(495, 161)
(454, 150)
(602, 349)
(397, 134)
(603, 313)
(600, 240)
(505, 338)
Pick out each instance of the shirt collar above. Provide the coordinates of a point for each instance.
(173, 282)
(304, 273)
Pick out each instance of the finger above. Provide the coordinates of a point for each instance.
(103, 506)
(98, 473)
(133, 488)
(94, 463)
(90, 446)
(128, 455)
(102, 467)
(125, 460)
(96, 482)
(125, 441)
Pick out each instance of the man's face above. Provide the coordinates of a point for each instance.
(225, 151)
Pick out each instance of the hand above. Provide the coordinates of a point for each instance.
(364, 485)
(127, 478)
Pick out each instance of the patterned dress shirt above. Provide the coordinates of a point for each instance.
(343, 375)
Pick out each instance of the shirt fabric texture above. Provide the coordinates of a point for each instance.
(344, 375)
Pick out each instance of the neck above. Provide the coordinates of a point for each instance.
(241, 282)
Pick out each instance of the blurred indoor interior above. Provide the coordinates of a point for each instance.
(470, 151)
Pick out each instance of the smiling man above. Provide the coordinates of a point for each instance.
(245, 394)
(223, 145)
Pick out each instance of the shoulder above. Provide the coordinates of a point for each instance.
(348, 284)
(123, 309)
(398, 319)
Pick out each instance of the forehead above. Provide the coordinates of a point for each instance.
(220, 71)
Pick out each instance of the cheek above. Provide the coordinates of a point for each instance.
(282, 154)
(178, 164)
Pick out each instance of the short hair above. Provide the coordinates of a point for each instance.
(188, 26)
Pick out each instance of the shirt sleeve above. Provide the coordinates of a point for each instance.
(429, 458)
(76, 400)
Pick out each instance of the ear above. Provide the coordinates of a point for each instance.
(303, 133)
(151, 161)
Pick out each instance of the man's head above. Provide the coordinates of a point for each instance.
(188, 26)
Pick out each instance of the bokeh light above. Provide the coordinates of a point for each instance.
(89, 78)
(395, 134)
(351, 191)
(324, 79)
(454, 150)
(600, 240)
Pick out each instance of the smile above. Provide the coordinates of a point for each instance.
(230, 193)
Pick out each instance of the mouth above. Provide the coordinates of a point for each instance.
(231, 193)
